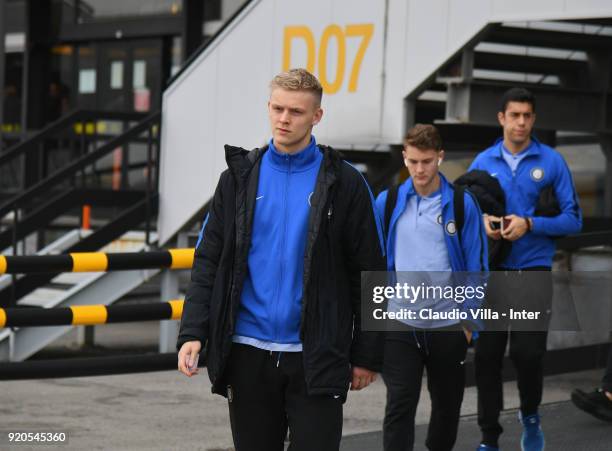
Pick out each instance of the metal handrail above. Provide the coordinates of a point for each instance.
(73, 168)
(60, 124)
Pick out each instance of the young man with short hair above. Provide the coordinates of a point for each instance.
(275, 287)
(423, 235)
(525, 168)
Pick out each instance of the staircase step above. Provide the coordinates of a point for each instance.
(70, 278)
(42, 297)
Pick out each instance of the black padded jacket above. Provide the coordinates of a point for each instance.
(343, 240)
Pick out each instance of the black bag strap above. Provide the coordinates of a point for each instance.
(459, 206)
(390, 206)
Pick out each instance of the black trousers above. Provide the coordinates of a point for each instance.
(267, 395)
(527, 350)
(607, 379)
(517, 290)
(442, 353)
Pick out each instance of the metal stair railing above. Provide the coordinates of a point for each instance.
(61, 124)
(73, 168)
(35, 204)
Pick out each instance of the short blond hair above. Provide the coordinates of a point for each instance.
(298, 80)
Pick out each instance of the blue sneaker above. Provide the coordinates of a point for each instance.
(533, 437)
(484, 447)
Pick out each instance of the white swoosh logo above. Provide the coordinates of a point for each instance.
(260, 197)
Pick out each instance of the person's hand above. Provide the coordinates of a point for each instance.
(516, 227)
(187, 358)
(362, 377)
(468, 335)
(494, 234)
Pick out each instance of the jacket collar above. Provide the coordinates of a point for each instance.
(240, 161)
(446, 190)
(533, 149)
(298, 161)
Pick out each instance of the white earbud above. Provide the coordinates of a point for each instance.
(439, 161)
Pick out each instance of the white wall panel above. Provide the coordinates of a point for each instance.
(222, 96)
(595, 6)
(426, 40)
(520, 8)
(392, 121)
(201, 112)
(461, 25)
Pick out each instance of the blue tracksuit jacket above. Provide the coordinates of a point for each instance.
(270, 308)
(542, 167)
(470, 254)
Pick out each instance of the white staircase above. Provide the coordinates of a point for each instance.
(370, 55)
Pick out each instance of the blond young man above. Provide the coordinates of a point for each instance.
(275, 289)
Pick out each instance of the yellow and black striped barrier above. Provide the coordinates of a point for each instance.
(88, 315)
(96, 261)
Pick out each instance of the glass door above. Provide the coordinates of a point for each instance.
(129, 75)
(113, 84)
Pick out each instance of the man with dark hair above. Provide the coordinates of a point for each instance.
(520, 95)
(276, 282)
(525, 169)
(424, 235)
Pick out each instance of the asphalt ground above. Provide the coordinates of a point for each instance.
(565, 428)
(168, 411)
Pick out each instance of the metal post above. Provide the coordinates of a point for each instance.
(606, 147)
(85, 336)
(193, 17)
(2, 66)
(13, 301)
(168, 330)
(148, 181)
(125, 166)
(73, 155)
(409, 113)
(24, 83)
(467, 64)
(158, 133)
(95, 176)
(83, 149)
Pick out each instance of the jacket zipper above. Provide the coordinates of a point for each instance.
(515, 173)
(282, 249)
